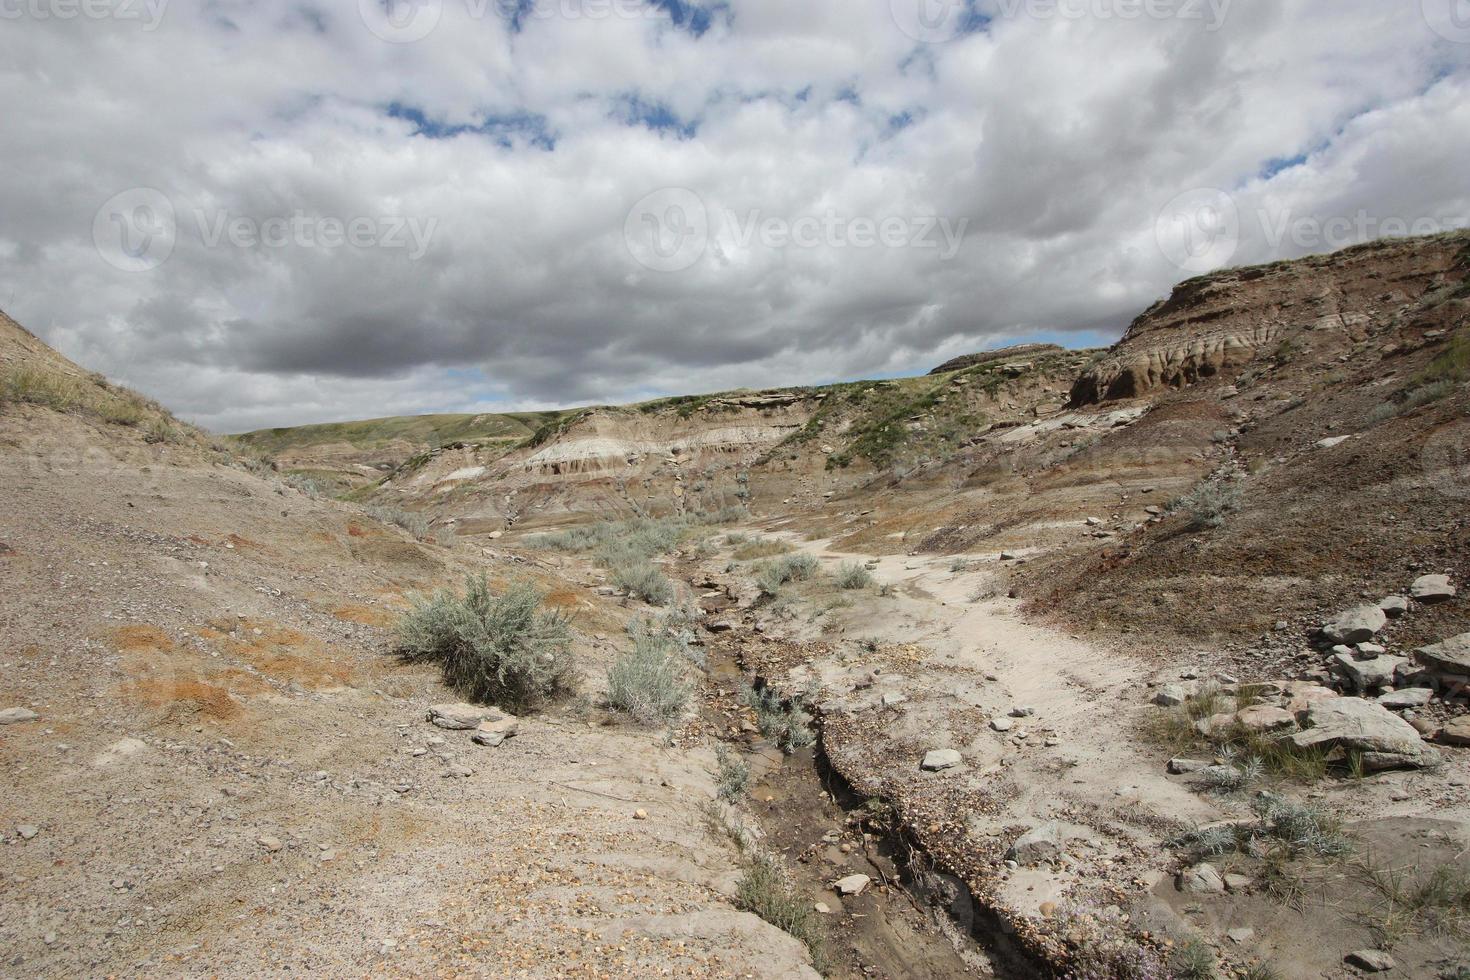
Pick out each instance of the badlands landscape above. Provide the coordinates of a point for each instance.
(1145, 661)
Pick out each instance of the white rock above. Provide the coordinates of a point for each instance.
(1355, 625)
(17, 716)
(1432, 588)
(1002, 724)
(852, 884)
(27, 831)
(1332, 442)
(1202, 879)
(462, 717)
(1370, 960)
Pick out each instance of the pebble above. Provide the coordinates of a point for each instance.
(640, 814)
(272, 844)
(1001, 724)
(1371, 960)
(27, 831)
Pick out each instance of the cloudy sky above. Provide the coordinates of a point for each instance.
(269, 212)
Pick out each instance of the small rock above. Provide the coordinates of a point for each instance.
(1241, 936)
(1431, 589)
(893, 699)
(462, 717)
(1355, 625)
(1202, 879)
(493, 733)
(941, 759)
(1394, 606)
(1457, 732)
(1170, 696)
(1001, 724)
(1022, 712)
(27, 831)
(1042, 843)
(852, 884)
(458, 770)
(17, 716)
(271, 844)
(1371, 960)
(1235, 884)
(1265, 718)
(1332, 442)
(640, 814)
(1179, 767)
(822, 908)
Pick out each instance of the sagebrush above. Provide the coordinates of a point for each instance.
(501, 649)
(647, 682)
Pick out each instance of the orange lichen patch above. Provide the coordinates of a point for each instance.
(355, 530)
(567, 599)
(141, 638)
(366, 615)
(281, 653)
(241, 543)
(191, 696)
(198, 540)
(323, 536)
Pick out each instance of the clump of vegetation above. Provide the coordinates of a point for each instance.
(626, 549)
(732, 775)
(1414, 903)
(647, 682)
(770, 576)
(780, 719)
(750, 550)
(305, 484)
(496, 649)
(1211, 501)
(1102, 944)
(1194, 961)
(415, 524)
(765, 891)
(853, 575)
(1453, 363)
(641, 579)
(92, 395)
(1289, 829)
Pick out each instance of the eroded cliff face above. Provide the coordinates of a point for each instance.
(1217, 324)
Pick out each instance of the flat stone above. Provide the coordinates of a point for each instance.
(1202, 879)
(1235, 884)
(941, 759)
(1303, 695)
(893, 699)
(1451, 656)
(852, 884)
(1409, 697)
(271, 844)
(1001, 724)
(1041, 843)
(1394, 606)
(493, 733)
(17, 716)
(458, 770)
(462, 717)
(1457, 732)
(27, 831)
(1371, 650)
(1265, 718)
(1385, 740)
(1430, 589)
(1022, 712)
(1355, 625)
(1332, 442)
(1371, 960)
(1241, 936)
(1180, 767)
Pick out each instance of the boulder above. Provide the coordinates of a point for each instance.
(1367, 675)
(493, 733)
(462, 717)
(1430, 589)
(1304, 694)
(1394, 606)
(1385, 740)
(1355, 625)
(852, 884)
(1452, 656)
(1043, 843)
(941, 759)
(1409, 697)
(1202, 879)
(17, 716)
